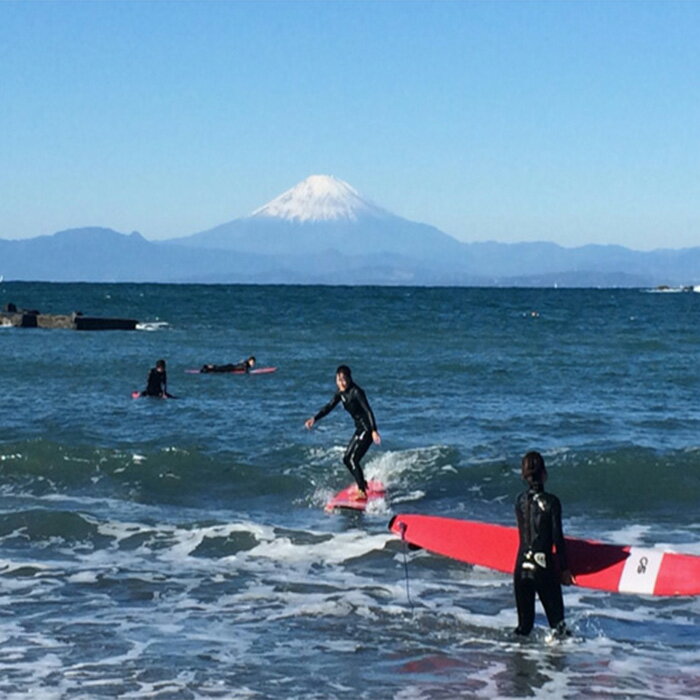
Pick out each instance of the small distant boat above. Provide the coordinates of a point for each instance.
(669, 289)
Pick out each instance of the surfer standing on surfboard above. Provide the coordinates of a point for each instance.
(355, 403)
(539, 523)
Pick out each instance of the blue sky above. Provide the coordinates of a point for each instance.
(572, 122)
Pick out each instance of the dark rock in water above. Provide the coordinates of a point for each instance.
(94, 323)
(18, 319)
(21, 318)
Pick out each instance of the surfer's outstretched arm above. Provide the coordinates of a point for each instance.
(309, 423)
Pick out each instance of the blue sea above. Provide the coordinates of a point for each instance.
(180, 549)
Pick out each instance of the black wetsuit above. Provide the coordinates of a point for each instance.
(157, 384)
(355, 403)
(237, 367)
(539, 522)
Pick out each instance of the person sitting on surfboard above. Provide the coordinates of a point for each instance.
(242, 366)
(538, 515)
(157, 383)
(355, 403)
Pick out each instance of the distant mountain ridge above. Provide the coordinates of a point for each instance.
(97, 254)
(322, 231)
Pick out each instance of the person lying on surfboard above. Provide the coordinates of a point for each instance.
(355, 403)
(157, 383)
(242, 366)
(538, 515)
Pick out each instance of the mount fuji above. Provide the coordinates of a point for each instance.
(323, 215)
(322, 231)
(320, 198)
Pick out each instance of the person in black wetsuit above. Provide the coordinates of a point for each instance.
(243, 366)
(157, 383)
(538, 515)
(355, 403)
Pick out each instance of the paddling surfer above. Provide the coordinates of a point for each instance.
(242, 366)
(157, 382)
(538, 515)
(355, 403)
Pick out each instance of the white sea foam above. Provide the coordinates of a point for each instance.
(316, 580)
(629, 535)
(152, 326)
(408, 497)
(340, 548)
(378, 508)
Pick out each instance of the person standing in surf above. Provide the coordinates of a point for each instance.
(538, 515)
(355, 403)
(157, 383)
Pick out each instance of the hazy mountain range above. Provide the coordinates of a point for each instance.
(322, 231)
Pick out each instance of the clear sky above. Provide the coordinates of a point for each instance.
(572, 122)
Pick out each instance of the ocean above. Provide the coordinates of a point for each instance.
(179, 548)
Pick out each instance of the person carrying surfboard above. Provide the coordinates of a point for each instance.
(355, 403)
(538, 515)
(242, 366)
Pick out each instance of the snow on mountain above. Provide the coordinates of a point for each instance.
(323, 213)
(320, 198)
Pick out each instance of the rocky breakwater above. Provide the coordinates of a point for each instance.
(77, 321)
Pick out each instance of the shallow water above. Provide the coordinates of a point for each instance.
(179, 549)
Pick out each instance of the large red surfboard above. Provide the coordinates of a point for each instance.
(606, 567)
(348, 497)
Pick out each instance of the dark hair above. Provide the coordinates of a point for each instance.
(532, 468)
(345, 371)
(252, 357)
(160, 363)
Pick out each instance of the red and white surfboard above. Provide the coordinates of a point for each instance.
(606, 567)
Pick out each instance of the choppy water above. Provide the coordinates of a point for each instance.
(179, 549)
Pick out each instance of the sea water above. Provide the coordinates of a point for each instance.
(179, 548)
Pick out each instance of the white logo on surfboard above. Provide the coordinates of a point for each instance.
(641, 570)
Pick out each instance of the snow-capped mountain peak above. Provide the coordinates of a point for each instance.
(320, 198)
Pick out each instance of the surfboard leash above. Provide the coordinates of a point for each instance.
(402, 529)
